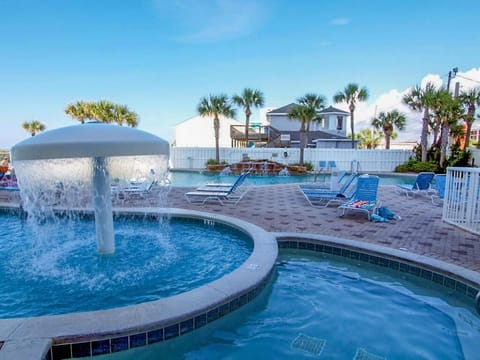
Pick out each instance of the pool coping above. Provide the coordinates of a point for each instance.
(104, 331)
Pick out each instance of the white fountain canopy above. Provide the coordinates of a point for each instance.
(98, 141)
(92, 139)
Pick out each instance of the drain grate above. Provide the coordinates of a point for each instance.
(309, 344)
(363, 354)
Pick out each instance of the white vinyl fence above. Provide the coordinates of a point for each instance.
(461, 202)
(187, 158)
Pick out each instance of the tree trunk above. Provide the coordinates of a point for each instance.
(303, 141)
(352, 126)
(216, 128)
(444, 133)
(469, 122)
(388, 135)
(424, 135)
(247, 124)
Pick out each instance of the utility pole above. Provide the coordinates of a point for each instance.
(454, 71)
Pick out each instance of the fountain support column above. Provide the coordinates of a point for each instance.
(102, 204)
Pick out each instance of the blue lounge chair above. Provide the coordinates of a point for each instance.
(233, 194)
(323, 197)
(365, 196)
(421, 185)
(331, 165)
(438, 186)
(224, 187)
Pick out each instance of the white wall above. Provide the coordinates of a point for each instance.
(368, 160)
(198, 132)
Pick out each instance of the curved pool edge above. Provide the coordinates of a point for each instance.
(453, 277)
(105, 331)
(468, 276)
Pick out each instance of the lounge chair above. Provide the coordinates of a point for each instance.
(224, 187)
(420, 186)
(221, 194)
(324, 197)
(325, 186)
(438, 186)
(136, 190)
(331, 165)
(365, 196)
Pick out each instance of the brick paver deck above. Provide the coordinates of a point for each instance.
(283, 208)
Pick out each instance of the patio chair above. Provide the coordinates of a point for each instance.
(323, 186)
(438, 186)
(224, 187)
(420, 186)
(324, 197)
(365, 196)
(133, 191)
(233, 194)
(331, 165)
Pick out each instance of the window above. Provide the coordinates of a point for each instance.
(339, 122)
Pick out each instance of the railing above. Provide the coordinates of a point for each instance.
(189, 158)
(462, 195)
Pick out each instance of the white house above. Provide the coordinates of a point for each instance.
(330, 132)
(198, 132)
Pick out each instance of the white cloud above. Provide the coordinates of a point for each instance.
(340, 21)
(365, 112)
(211, 20)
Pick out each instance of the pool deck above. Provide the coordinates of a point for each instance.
(283, 208)
(282, 211)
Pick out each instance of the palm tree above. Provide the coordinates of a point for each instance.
(306, 111)
(447, 110)
(351, 95)
(103, 111)
(121, 114)
(33, 127)
(247, 99)
(369, 138)
(216, 106)
(387, 122)
(79, 111)
(470, 100)
(422, 99)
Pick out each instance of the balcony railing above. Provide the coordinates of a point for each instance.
(461, 206)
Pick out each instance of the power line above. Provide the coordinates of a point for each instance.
(466, 78)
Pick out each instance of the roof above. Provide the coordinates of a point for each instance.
(285, 109)
(332, 110)
(282, 110)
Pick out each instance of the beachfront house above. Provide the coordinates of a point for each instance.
(329, 132)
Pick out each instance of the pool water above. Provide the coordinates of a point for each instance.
(322, 306)
(191, 178)
(54, 268)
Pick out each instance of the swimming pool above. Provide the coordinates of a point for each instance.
(328, 307)
(54, 269)
(192, 178)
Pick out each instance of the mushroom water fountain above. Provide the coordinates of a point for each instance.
(73, 168)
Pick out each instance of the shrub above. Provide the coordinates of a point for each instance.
(414, 165)
(308, 166)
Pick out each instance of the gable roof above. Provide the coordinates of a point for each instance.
(332, 110)
(282, 110)
(285, 109)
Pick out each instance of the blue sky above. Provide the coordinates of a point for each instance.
(161, 57)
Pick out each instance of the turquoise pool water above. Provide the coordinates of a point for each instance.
(324, 307)
(190, 178)
(54, 268)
